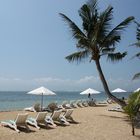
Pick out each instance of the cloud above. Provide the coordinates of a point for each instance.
(50, 80)
(126, 84)
(70, 84)
(82, 80)
(88, 79)
(8, 83)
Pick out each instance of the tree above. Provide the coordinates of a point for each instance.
(132, 108)
(137, 44)
(97, 38)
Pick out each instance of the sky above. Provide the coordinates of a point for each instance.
(34, 41)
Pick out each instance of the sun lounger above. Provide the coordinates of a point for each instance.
(20, 121)
(68, 116)
(102, 102)
(64, 106)
(116, 108)
(57, 117)
(85, 103)
(40, 119)
(92, 103)
(35, 108)
(73, 104)
(110, 101)
(79, 103)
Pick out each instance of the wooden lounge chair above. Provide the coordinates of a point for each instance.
(57, 117)
(73, 104)
(38, 120)
(85, 103)
(35, 108)
(20, 121)
(116, 108)
(68, 117)
(79, 103)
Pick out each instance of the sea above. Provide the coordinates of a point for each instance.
(18, 100)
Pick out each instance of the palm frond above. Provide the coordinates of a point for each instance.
(89, 15)
(138, 24)
(138, 33)
(136, 55)
(136, 76)
(92, 4)
(110, 41)
(133, 104)
(107, 50)
(78, 56)
(114, 57)
(83, 44)
(124, 24)
(138, 30)
(76, 32)
(104, 21)
(137, 44)
(84, 13)
(117, 30)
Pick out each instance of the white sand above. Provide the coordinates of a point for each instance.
(95, 123)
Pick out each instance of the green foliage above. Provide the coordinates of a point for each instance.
(136, 76)
(133, 105)
(137, 44)
(132, 108)
(96, 36)
(116, 56)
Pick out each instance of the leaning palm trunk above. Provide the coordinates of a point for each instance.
(104, 82)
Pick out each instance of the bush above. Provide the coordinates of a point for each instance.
(132, 108)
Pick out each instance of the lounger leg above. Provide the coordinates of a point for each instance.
(36, 126)
(72, 120)
(50, 122)
(50, 125)
(34, 123)
(63, 120)
(15, 127)
(27, 127)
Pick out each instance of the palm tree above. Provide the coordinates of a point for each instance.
(96, 38)
(137, 44)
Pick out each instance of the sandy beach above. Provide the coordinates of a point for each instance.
(95, 123)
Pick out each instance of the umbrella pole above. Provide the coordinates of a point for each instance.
(42, 102)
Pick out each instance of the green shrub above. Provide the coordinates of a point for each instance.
(132, 108)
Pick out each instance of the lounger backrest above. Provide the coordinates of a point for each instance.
(41, 116)
(56, 114)
(21, 118)
(68, 113)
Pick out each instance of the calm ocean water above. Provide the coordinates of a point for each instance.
(18, 100)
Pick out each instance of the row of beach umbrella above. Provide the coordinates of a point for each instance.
(44, 91)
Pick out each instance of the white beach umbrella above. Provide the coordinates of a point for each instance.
(137, 90)
(90, 91)
(118, 90)
(41, 91)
